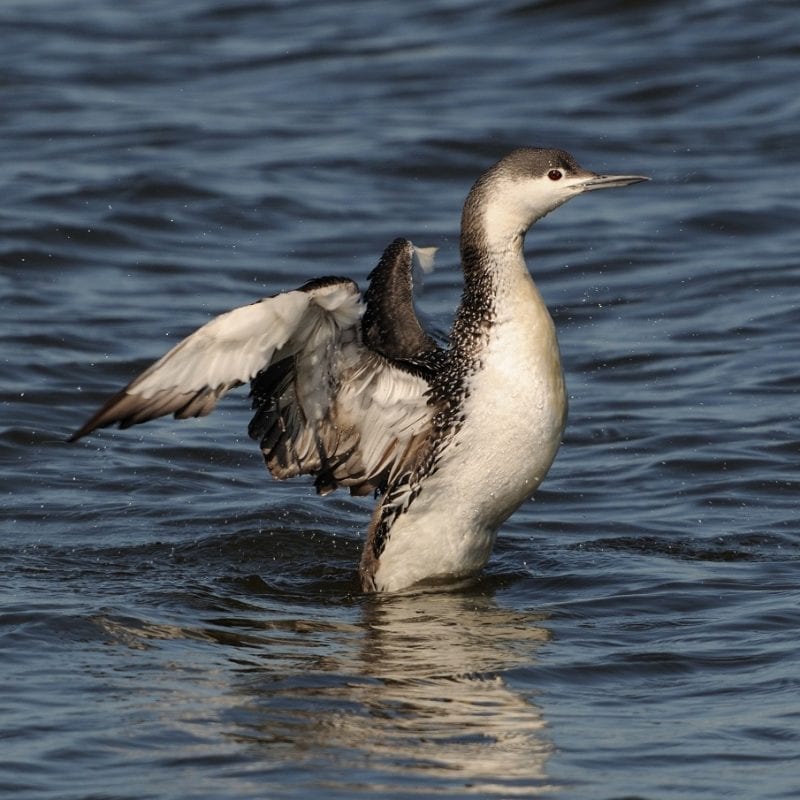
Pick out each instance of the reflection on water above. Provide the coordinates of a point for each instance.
(416, 691)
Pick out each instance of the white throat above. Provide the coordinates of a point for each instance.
(508, 209)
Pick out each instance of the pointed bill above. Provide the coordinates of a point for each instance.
(612, 181)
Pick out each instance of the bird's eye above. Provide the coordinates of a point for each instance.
(555, 174)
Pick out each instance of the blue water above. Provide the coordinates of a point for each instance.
(175, 624)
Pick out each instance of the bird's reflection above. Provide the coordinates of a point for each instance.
(417, 689)
(442, 700)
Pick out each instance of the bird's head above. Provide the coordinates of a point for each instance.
(524, 186)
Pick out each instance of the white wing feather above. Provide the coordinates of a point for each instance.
(228, 351)
(231, 348)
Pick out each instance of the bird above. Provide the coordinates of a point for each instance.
(351, 390)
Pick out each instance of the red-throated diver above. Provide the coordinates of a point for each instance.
(358, 395)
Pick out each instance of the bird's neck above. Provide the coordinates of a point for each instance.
(495, 274)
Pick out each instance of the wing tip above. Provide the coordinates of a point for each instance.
(105, 416)
(426, 257)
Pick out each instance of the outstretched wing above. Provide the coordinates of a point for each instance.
(326, 402)
(230, 350)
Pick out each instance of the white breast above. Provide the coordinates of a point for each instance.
(513, 420)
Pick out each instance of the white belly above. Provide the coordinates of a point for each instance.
(513, 420)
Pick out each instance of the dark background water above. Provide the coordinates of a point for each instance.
(173, 624)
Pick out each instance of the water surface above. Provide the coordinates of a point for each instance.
(175, 624)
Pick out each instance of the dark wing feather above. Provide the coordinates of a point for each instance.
(390, 325)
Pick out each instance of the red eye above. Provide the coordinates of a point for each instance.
(555, 175)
